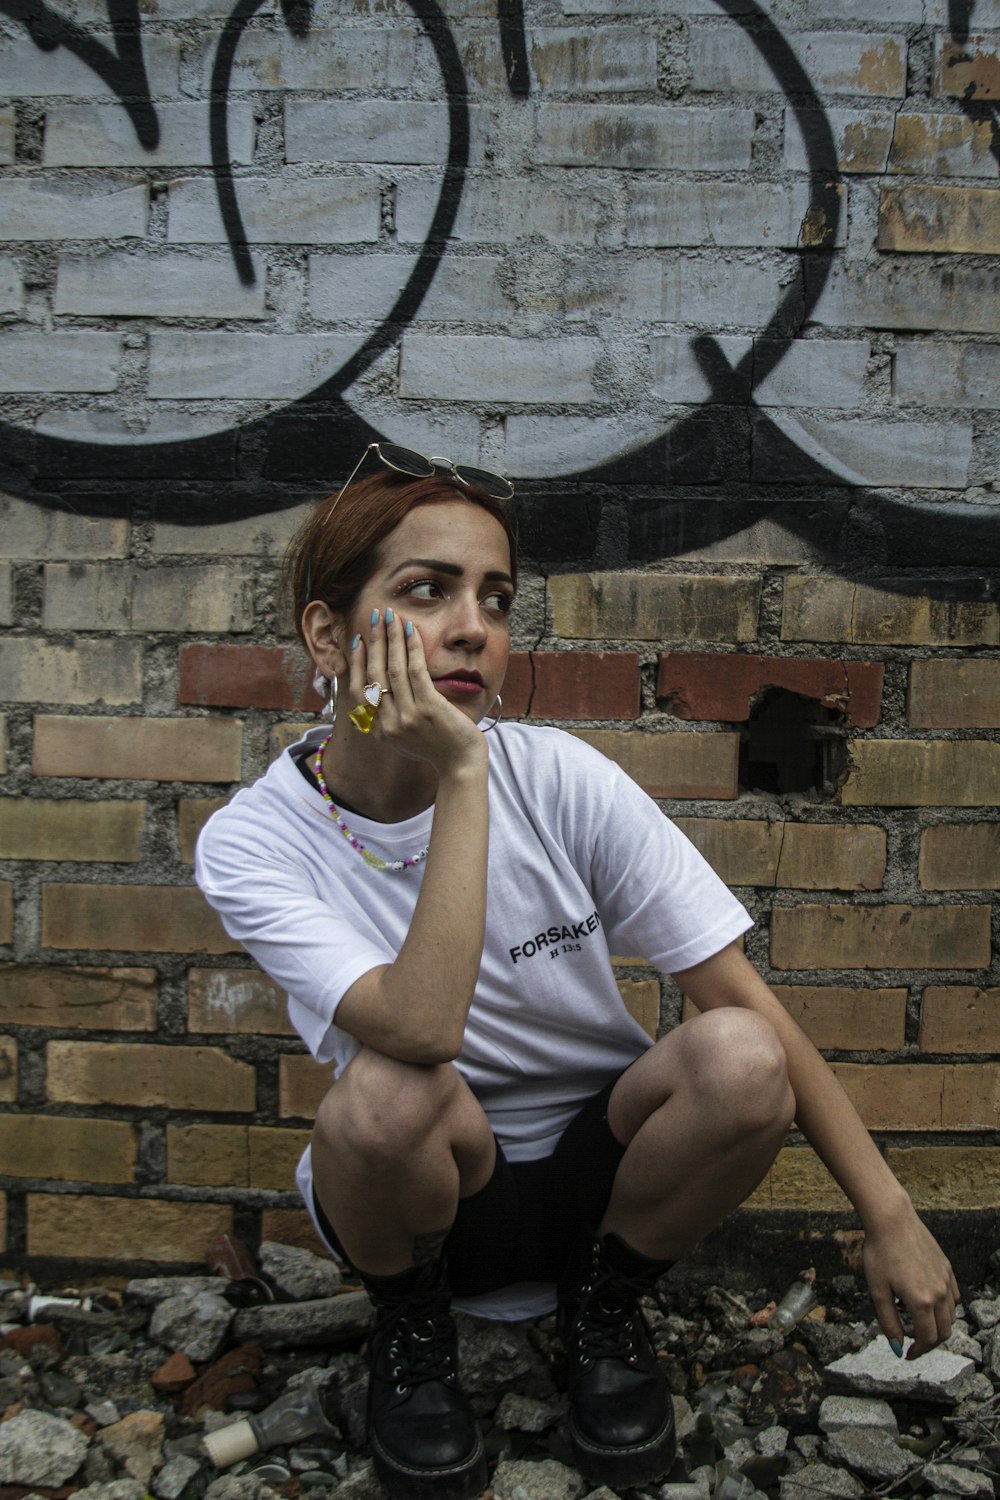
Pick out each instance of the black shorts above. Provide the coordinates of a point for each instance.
(523, 1224)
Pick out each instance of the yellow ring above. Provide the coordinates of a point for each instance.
(362, 717)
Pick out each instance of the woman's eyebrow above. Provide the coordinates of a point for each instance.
(451, 569)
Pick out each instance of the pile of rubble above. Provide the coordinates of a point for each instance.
(251, 1385)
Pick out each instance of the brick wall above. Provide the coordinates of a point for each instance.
(722, 294)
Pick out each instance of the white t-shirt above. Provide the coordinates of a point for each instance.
(582, 865)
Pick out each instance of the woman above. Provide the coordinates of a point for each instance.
(440, 896)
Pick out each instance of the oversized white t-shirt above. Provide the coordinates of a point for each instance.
(582, 865)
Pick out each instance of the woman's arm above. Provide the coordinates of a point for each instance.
(415, 1008)
(901, 1257)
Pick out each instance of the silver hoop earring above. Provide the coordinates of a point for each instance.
(498, 705)
(326, 687)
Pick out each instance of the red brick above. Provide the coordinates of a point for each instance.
(246, 677)
(723, 685)
(876, 937)
(126, 1229)
(582, 685)
(960, 1018)
(138, 749)
(78, 999)
(131, 919)
(856, 1020)
(517, 686)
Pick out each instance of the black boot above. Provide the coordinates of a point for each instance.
(423, 1436)
(621, 1417)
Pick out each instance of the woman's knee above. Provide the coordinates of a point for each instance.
(740, 1064)
(381, 1109)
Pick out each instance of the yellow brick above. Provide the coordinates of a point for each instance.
(741, 851)
(955, 220)
(923, 773)
(923, 1096)
(8, 1070)
(283, 735)
(960, 857)
(138, 748)
(145, 1075)
(302, 1083)
(39, 828)
(208, 1156)
(939, 1177)
(131, 919)
(3, 1220)
(6, 912)
(67, 1149)
(960, 1018)
(79, 999)
(954, 695)
(192, 815)
(642, 1001)
(292, 1226)
(126, 1229)
(654, 607)
(834, 1017)
(876, 937)
(798, 1179)
(834, 609)
(274, 1155)
(3, 744)
(832, 857)
(226, 1001)
(687, 764)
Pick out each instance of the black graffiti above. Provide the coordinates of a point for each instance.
(711, 451)
(979, 111)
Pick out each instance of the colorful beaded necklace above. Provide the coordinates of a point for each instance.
(376, 863)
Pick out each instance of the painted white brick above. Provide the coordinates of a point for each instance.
(720, 213)
(954, 146)
(490, 368)
(643, 135)
(499, 213)
(254, 537)
(986, 13)
(101, 135)
(162, 285)
(878, 12)
(119, 596)
(6, 594)
(926, 373)
(90, 672)
(724, 58)
(72, 362)
(610, 60)
(677, 374)
(324, 60)
(861, 137)
(643, 8)
(11, 287)
(279, 366)
(36, 209)
(817, 372)
(28, 72)
(382, 131)
(890, 294)
(364, 287)
(546, 445)
(924, 455)
(6, 134)
(725, 291)
(279, 211)
(28, 531)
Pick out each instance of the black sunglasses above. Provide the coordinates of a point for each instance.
(406, 461)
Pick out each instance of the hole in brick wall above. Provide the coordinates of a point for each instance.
(792, 744)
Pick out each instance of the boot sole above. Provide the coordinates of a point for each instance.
(620, 1468)
(465, 1481)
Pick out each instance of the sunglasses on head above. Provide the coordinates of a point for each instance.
(406, 461)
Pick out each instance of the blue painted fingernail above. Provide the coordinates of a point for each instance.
(356, 642)
(409, 628)
(374, 617)
(388, 617)
(896, 1348)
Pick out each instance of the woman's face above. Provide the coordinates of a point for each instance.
(447, 567)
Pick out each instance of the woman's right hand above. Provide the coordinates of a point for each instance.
(413, 716)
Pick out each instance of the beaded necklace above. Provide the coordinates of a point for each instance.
(376, 863)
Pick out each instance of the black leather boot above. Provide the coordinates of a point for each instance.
(621, 1417)
(423, 1436)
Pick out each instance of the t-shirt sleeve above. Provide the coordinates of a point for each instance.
(267, 901)
(659, 898)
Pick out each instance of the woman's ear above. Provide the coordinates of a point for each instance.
(323, 631)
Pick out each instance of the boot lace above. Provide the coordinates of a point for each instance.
(419, 1344)
(608, 1321)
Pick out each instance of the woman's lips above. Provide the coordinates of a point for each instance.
(464, 686)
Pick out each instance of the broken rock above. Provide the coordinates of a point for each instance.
(36, 1448)
(875, 1371)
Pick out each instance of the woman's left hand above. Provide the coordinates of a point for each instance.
(903, 1261)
